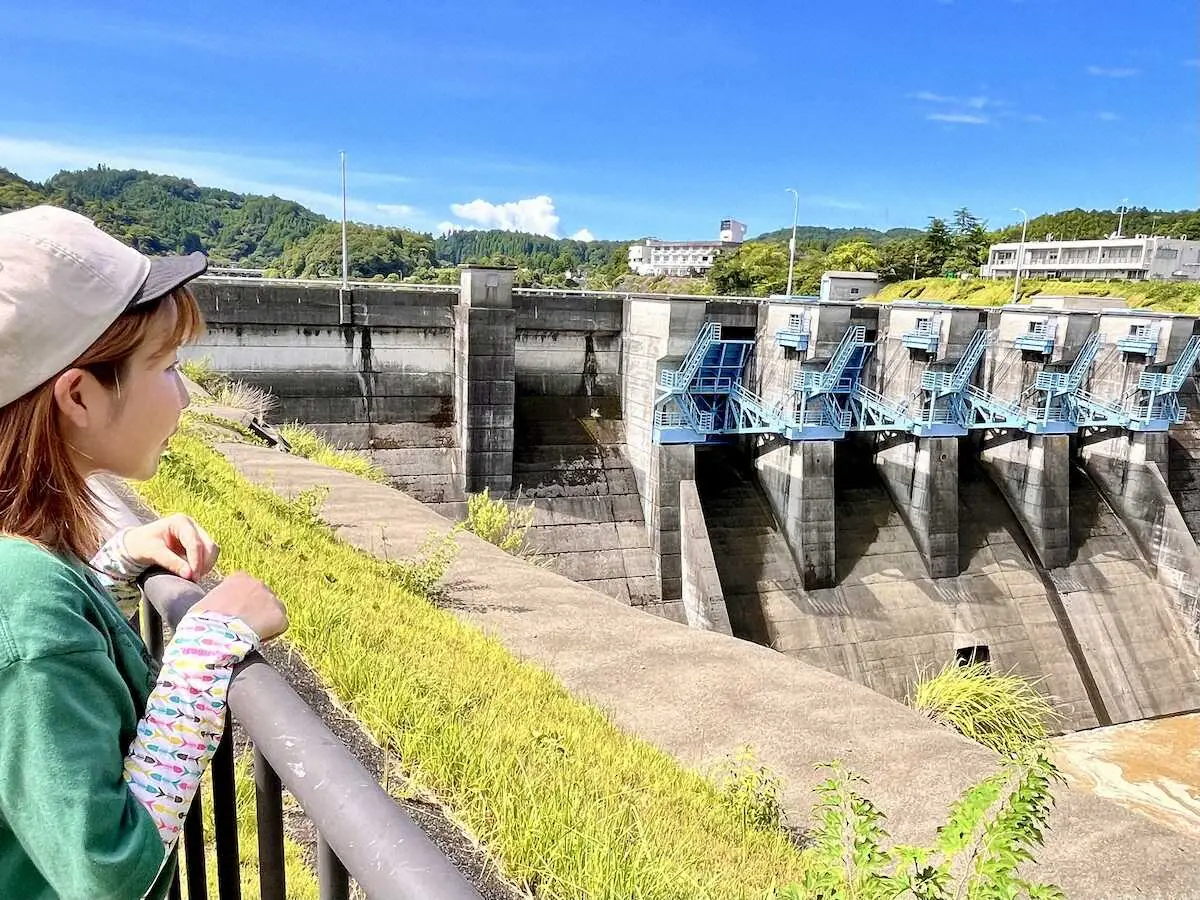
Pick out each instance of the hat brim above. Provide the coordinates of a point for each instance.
(168, 273)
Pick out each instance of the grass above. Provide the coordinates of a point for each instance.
(566, 804)
(502, 524)
(1001, 711)
(1156, 295)
(307, 443)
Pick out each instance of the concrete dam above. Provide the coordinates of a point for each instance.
(875, 489)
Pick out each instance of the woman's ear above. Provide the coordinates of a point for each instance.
(76, 394)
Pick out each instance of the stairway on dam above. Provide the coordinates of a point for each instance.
(568, 459)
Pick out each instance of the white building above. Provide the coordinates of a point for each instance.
(683, 258)
(849, 285)
(1139, 258)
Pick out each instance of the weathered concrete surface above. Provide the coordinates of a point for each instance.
(1033, 471)
(1130, 470)
(703, 600)
(569, 461)
(887, 622)
(1132, 635)
(798, 480)
(701, 695)
(1152, 768)
(754, 564)
(921, 474)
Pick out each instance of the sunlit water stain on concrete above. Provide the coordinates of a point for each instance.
(1150, 767)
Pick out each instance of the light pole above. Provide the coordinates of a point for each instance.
(1020, 250)
(345, 258)
(792, 242)
(1121, 219)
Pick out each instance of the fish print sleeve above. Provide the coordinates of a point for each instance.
(119, 573)
(185, 716)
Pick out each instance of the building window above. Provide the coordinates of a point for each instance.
(854, 290)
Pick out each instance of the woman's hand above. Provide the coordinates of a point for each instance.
(247, 598)
(176, 543)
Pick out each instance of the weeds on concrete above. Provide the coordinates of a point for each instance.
(1002, 711)
(993, 829)
(307, 443)
(503, 524)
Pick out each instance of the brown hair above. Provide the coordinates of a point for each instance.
(43, 498)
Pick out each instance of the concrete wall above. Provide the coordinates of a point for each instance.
(703, 601)
(921, 476)
(1130, 470)
(1034, 474)
(798, 481)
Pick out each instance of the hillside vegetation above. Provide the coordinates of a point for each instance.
(165, 214)
(1167, 296)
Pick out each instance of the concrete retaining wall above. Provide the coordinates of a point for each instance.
(703, 600)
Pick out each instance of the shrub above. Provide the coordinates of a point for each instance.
(1001, 711)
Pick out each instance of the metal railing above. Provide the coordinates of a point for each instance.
(362, 834)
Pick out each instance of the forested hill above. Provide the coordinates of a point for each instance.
(546, 254)
(827, 238)
(163, 214)
(1093, 224)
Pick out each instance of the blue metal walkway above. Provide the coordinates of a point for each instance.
(705, 399)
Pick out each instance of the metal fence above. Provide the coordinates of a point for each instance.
(362, 833)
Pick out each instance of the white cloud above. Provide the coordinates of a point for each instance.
(533, 214)
(447, 228)
(1112, 72)
(931, 97)
(583, 235)
(959, 118)
(1107, 116)
(396, 210)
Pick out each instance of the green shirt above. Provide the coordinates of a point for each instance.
(74, 678)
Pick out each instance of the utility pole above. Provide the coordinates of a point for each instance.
(1020, 251)
(345, 257)
(1121, 219)
(916, 251)
(792, 242)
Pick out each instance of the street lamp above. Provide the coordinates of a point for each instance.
(792, 242)
(1020, 250)
(1121, 219)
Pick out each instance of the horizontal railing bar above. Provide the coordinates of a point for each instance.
(387, 854)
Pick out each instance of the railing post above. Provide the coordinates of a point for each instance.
(332, 875)
(268, 794)
(229, 875)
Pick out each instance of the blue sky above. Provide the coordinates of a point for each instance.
(621, 119)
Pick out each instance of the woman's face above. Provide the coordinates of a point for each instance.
(124, 429)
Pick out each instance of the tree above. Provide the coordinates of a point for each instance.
(938, 245)
(754, 269)
(855, 256)
(970, 243)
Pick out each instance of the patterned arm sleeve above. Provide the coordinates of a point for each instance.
(185, 716)
(119, 573)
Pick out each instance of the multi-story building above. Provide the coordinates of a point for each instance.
(682, 258)
(1139, 258)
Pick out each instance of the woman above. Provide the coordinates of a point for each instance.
(100, 752)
